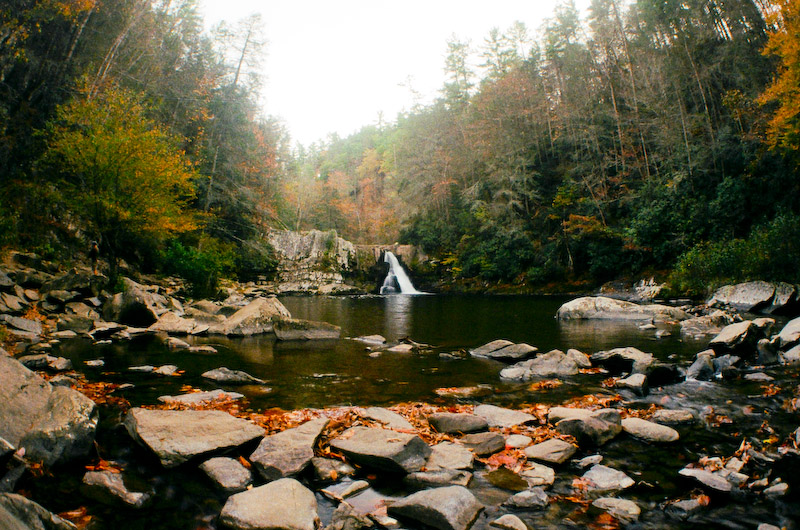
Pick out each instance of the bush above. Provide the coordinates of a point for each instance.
(255, 258)
(202, 269)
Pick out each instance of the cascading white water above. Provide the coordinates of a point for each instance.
(406, 287)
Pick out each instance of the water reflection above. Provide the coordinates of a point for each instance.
(397, 316)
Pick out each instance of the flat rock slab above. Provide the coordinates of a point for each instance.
(448, 508)
(289, 452)
(344, 489)
(512, 353)
(437, 478)
(707, 478)
(329, 469)
(748, 296)
(484, 443)
(538, 475)
(501, 417)
(649, 431)
(391, 419)
(383, 449)
(228, 474)
(255, 318)
(447, 455)
(604, 478)
(19, 513)
(176, 436)
(597, 429)
(622, 509)
(110, 488)
(553, 451)
(449, 423)
(296, 329)
(284, 504)
(488, 348)
(736, 337)
(623, 360)
(532, 498)
(196, 398)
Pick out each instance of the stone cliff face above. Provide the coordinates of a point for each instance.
(317, 262)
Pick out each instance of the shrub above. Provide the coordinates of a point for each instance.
(202, 269)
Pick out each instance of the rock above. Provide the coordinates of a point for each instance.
(23, 324)
(509, 521)
(206, 306)
(447, 455)
(82, 281)
(594, 429)
(518, 441)
(176, 436)
(776, 490)
(383, 449)
(62, 335)
(196, 398)
(451, 423)
(283, 504)
(97, 363)
(624, 510)
(53, 424)
(707, 478)
(62, 297)
(673, 417)
(739, 337)
(620, 360)
(581, 359)
(167, 369)
(328, 469)
(345, 517)
(485, 443)
(12, 303)
(767, 352)
(437, 478)
(390, 419)
(706, 325)
(5, 281)
(791, 357)
(255, 318)
(748, 296)
(636, 382)
(134, 306)
(448, 508)
(74, 323)
(759, 376)
(551, 364)
(501, 417)
(401, 348)
(346, 488)
(108, 487)
(228, 474)
(604, 478)
(296, 329)
(19, 513)
(683, 509)
(231, 377)
(602, 308)
(702, 369)
(289, 452)
(374, 340)
(588, 461)
(173, 324)
(44, 361)
(556, 414)
(789, 335)
(510, 353)
(174, 343)
(552, 451)
(649, 431)
(106, 329)
(203, 350)
(538, 475)
(488, 348)
(532, 498)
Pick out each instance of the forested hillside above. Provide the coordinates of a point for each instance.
(647, 136)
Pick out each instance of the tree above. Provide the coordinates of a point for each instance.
(122, 174)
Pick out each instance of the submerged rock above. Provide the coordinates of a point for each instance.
(289, 452)
(110, 488)
(602, 308)
(226, 375)
(19, 513)
(649, 431)
(622, 509)
(707, 478)
(604, 478)
(296, 329)
(501, 417)
(175, 436)
(391, 451)
(228, 474)
(532, 498)
(284, 504)
(448, 508)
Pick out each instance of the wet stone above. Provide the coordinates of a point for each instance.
(284, 504)
(344, 489)
(391, 419)
(649, 431)
(226, 375)
(447, 455)
(518, 441)
(490, 347)
(327, 469)
(553, 451)
(776, 491)
(448, 508)
(288, 452)
(196, 398)
(484, 443)
(622, 509)
(673, 417)
(604, 478)
(588, 461)
(391, 451)
(509, 521)
(501, 417)
(707, 478)
(446, 422)
(227, 473)
(110, 488)
(502, 477)
(345, 517)
(683, 509)
(538, 475)
(437, 478)
(530, 499)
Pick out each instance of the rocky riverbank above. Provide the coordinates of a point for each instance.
(645, 452)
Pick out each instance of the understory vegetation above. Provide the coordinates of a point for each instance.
(646, 137)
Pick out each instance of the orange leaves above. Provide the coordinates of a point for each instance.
(593, 401)
(717, 420)
(547, 384)
(512, 459)
(770, 390)
(79, 517)
(605, 521)
(104, 465)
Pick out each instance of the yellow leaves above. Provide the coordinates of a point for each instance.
(547, 384)
(79, 517)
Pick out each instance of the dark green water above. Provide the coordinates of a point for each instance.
(314, 374)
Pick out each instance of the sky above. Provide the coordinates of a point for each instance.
(332, 66)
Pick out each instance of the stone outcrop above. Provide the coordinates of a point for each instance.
(554, 363)
(136, 305)
(53, 424)
(602, 308)
(766, 297)
(297, 329)
(255, 318)
(289, 452)
(176, 436)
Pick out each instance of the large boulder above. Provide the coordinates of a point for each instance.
(289, 452)
(448, 508)
(176, 436)
(707, 324)
(602, 308)
(383, 449)
(297, 329)
(789, 335)
(173, 324)
(741, 337)
(284, 504)
(53, 424)
(19, 513)
(255, 318)
(80, 280)
(135, 305)
(766, 297)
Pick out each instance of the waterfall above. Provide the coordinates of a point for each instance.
(396, 273)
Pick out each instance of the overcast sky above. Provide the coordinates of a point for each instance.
(333, 65)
